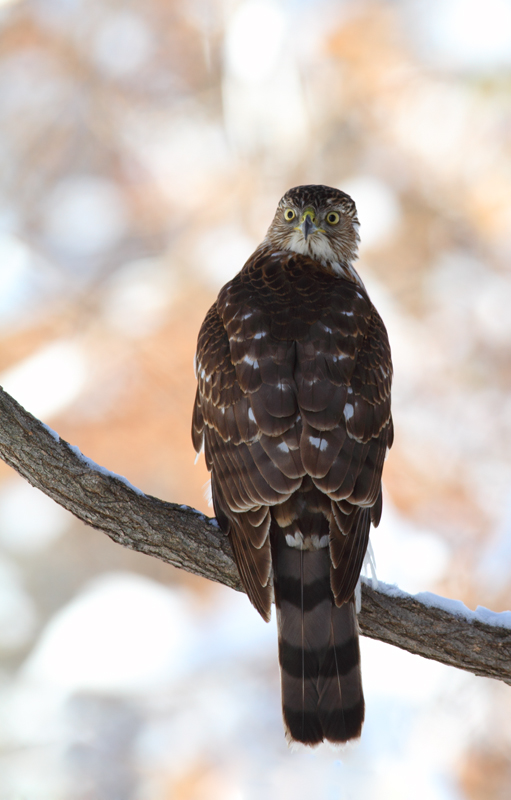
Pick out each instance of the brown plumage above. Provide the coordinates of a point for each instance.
(293, 411)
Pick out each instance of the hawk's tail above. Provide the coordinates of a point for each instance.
(318, 649)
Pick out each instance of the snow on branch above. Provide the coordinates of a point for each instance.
(430, 626)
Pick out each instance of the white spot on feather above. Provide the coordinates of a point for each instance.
(319, 542)
(260, 335)
(283, 447)
(320, 444)
(252, 361)
(348, 411)
(251, 415)
(295, 541)
(300, 542)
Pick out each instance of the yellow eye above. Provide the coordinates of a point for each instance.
(289, 214)
(332, 217)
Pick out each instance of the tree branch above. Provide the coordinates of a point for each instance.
(188, 540)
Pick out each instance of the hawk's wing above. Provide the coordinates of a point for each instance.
(293, 369)
(230, 422)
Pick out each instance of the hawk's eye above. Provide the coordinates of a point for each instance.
(289, 214)
(332, 217)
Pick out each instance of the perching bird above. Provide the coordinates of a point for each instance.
(293, 412)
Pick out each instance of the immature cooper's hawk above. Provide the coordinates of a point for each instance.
(293, 411)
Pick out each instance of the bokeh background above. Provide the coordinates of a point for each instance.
(143, 148)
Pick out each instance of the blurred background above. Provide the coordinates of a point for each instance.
(144, 147)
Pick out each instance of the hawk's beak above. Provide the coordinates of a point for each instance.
(308, 223)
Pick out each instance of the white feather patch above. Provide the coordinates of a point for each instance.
(295, 540)
(319, 443)
(199, 453)
(348, 411)
(208, 496)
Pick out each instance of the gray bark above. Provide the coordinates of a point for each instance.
(188, 540)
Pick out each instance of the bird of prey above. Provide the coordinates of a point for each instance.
(293, 412)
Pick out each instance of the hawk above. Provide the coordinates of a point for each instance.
(293, 412)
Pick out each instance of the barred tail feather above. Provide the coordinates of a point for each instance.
(341, 701)
(318, 649)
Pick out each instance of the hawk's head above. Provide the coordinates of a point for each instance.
(320, 222)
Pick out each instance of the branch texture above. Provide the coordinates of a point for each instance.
(188, 540)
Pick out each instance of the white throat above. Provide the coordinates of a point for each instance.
(320, 249)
